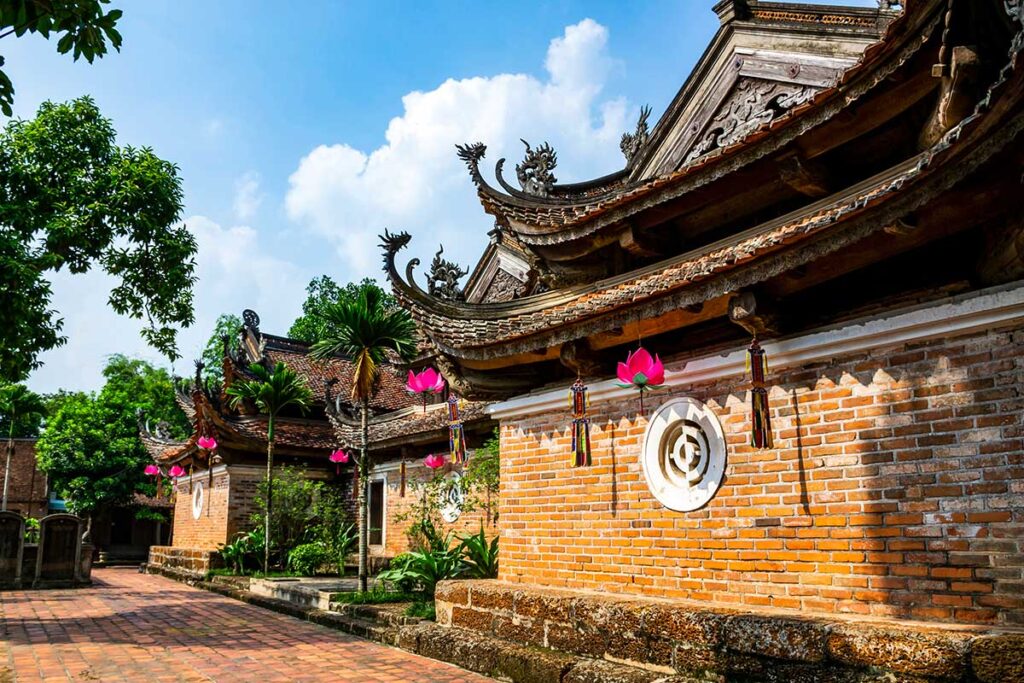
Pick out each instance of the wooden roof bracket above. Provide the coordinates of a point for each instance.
(754, 315)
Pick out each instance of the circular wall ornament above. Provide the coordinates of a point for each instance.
(684, 454)
(451, 508)
(197, 499)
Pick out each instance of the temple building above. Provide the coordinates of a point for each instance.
(820, 243)
(215, 497)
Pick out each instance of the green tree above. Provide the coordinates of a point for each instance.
(20, 408)
(321, 293)
(271, 392)
(481, 478)
(365, 330)
(83, 26)
(91, 450)
(227, 325)
(70, 197)
(294, 507)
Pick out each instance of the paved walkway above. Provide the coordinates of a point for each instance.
(135, 627)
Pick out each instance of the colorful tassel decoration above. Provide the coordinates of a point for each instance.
(456, 435)
(760, 414)
(401, 471)
(580, 424)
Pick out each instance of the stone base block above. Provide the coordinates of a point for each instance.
(702, 642)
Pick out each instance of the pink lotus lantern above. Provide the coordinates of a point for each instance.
(641, 372)
(176, 471)
(339, 458)
(434, 461)
(429, 381)
(152, 470)
(207, 443)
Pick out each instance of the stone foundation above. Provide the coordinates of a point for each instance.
(718, 644)
(186, 559)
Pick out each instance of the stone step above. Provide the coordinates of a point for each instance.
(507, 661)
(390, 614)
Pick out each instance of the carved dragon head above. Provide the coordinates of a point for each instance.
(535, 172)
(632, 143)
(471, 154)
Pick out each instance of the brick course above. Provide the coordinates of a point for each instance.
(26, 493)
(894, 489)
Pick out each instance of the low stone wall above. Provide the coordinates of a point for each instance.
(192, 560)
(715, 643)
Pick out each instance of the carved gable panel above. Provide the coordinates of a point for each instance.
(503, 287)
(752, 103)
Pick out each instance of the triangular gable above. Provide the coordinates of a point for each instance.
(762, 62)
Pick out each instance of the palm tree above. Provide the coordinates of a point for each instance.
(271, 392)
(17, 402)
(365, 330)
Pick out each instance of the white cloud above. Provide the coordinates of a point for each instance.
(248, 197)
(235, 270)
(415, 182)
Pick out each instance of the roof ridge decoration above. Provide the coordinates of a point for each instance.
(632, 143)
(443, 278)
(535, 172)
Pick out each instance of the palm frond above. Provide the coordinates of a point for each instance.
(272, 390)
(365, 332)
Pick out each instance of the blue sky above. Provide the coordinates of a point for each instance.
(300, 136)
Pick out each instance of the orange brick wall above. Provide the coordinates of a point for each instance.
(396, 538)
(26, 494)
(211, 528)
(896, 488)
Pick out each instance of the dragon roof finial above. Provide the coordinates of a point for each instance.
(632, 143)
(535, 172)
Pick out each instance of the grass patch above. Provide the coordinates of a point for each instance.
(421, 609)
(372, 597)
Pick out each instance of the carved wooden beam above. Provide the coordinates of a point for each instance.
(958, 93)
(756, 317)
(806, 177)
(635, 245)
(578, 357)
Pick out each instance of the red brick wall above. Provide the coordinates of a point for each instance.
(25, 494)
(397, 538)
(896, 488)
(212, 527)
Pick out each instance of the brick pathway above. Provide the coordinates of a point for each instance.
(134, 627)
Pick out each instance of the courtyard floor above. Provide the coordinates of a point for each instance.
(137, 627)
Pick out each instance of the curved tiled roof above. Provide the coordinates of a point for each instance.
(406, 425)
(390, 394)
(485, 330)
(541, 221)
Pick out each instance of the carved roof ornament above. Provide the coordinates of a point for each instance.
(251, 320)
(392, 244)
(471, 154)
(632, 143)
(752, 103)
(889, 5)
(443, 278)
(535, 176)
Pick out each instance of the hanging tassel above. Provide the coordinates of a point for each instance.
(456, 435)
(401, 471)
(580, 424)
(760, 413)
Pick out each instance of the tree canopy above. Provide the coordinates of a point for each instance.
(71, 198)
(321, 292)
(91, 449)
(213, 353)
(83, 26)
(21, 411)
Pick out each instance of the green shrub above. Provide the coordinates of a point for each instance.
(376, 596)
(424, 570)
(422, 609)
(244, 552)
(332, 525)
(293, 516)
(479, 557)
(305, 559)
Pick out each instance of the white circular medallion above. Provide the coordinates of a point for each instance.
(451, 506)
(684, 454)
(197, 499)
